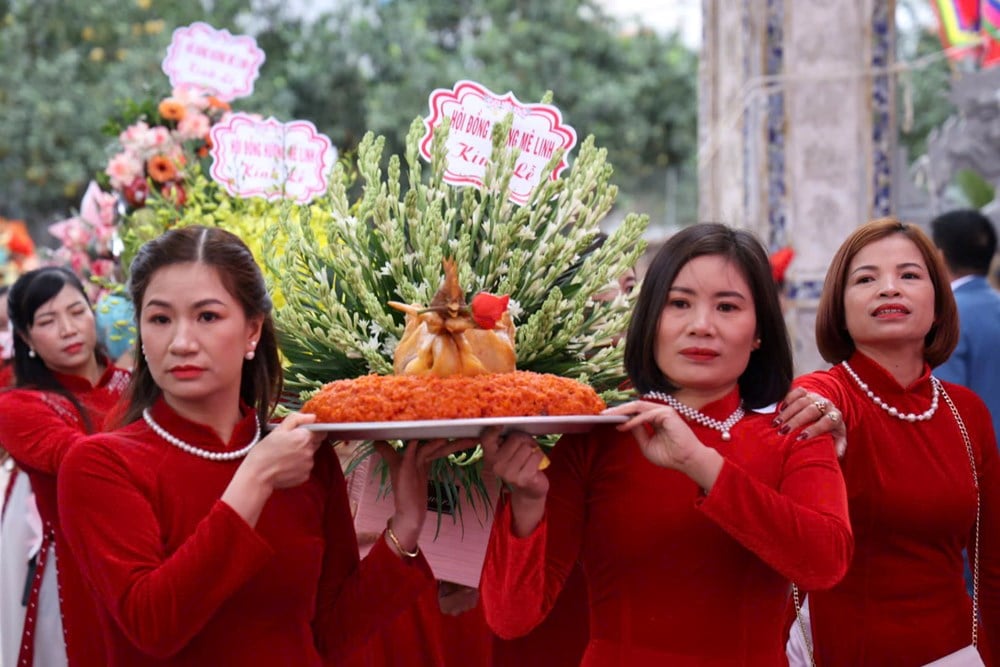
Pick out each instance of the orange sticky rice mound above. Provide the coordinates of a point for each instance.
(377, 398)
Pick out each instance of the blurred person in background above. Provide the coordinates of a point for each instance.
(64, 386)
(967, 241)
(6, 341)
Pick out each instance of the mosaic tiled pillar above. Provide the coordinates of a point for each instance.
(797, 129)
(724, 169)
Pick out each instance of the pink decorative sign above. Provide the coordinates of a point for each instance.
(270, 159)
(213, 60)
(537, 131)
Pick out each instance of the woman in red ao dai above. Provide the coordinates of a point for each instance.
(886, 318)
(63, 389)
(691, 518)
(206, 543)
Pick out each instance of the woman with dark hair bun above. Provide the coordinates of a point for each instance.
(63, 388)
(208, 542)
(692, 518)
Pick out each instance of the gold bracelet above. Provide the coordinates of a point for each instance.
(399, 547)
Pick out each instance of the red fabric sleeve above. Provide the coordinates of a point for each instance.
(513, 586)
(830, 388)
(800, 529)
(516, 592)
(980, 426)
(160, 602)
(34, 432)
(989, 552)
(357, 599)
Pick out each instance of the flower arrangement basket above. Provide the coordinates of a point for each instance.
(380, 233)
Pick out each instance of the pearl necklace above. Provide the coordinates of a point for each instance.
(700, 417)
(905, 416)
(197, 451)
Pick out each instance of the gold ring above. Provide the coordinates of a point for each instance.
(833, 416)
(821, 406)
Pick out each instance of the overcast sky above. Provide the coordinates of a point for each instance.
(667, 15)
(685, 15)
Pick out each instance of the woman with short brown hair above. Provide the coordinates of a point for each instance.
(832, 336)
(921, 464)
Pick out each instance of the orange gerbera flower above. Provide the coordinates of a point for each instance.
(206, 147)
(171, 109)
(161, 168)
(216, 103)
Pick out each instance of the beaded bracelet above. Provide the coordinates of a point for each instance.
(399, 547)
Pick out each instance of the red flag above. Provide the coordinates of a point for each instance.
(990, 26)
(959, 24)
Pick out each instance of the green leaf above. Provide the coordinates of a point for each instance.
(978, 192)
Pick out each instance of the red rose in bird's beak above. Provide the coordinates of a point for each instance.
(487, 309)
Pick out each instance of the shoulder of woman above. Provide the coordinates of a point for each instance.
(102, 458)
(761, 425)
(817, 378)
(969, 405)
(831, 384)
(111, 440)
(22, 404)
(960, 393)
(118, 379)
(13, 395)
(968, 402)
(105, 452)
(117, 435)
(88, 448)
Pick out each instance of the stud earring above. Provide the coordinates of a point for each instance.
(31, 352)
(250, 355)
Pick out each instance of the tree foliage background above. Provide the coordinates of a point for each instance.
(922, 94)
(364, 65)
(66, 67)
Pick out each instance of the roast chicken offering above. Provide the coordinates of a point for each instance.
(449, 337)
(455, 360)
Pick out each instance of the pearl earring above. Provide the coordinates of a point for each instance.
(250, 355)
(31, 352)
